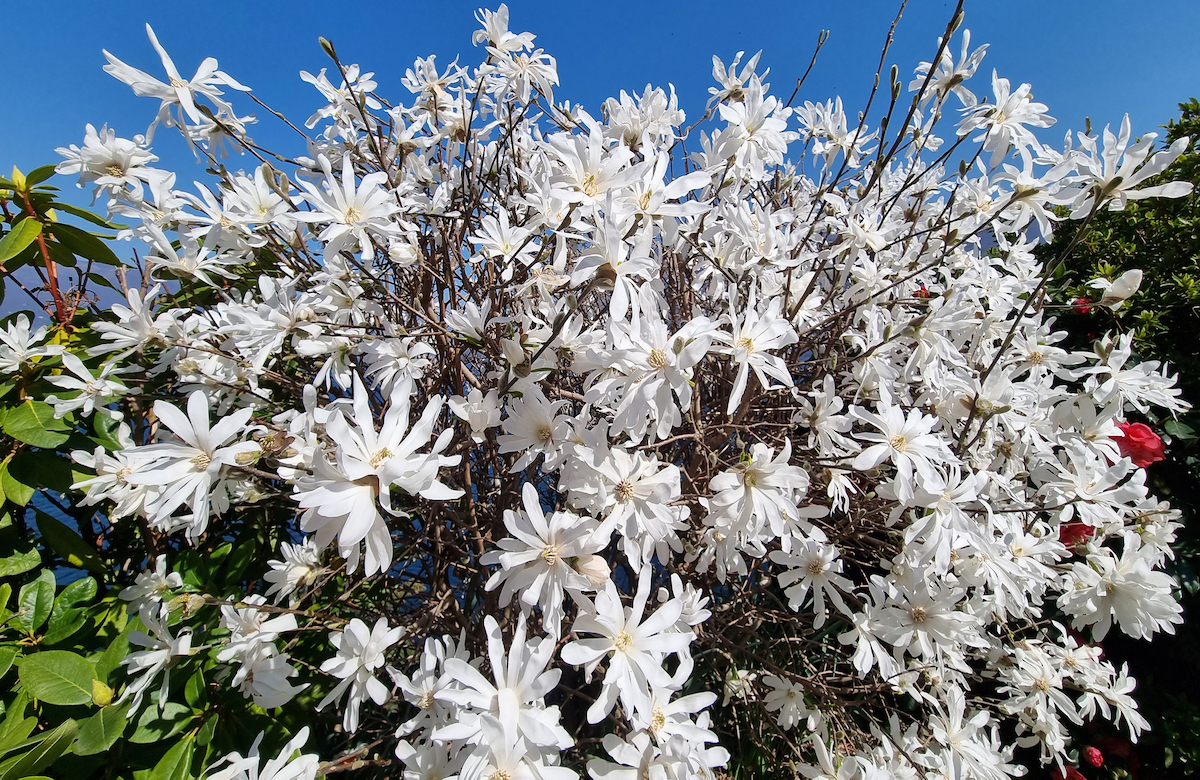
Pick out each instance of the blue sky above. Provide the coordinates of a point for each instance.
(1097, 58)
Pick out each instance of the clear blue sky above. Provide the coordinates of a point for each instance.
(1097, 58)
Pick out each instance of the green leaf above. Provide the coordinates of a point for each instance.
(106, 431)
(75, 211)
(33, 423)
(35, 602)
(201, 570)
(16, 727)
(83, 590)
(58, 677)
(22, 235)
(205, 734)
(42, 469)
(38, 175)
(19, 563)
(7, 656)
(60, 254)
(195, 693)
(45, 753)
(1179, 430)
(63, 625)
(175, 765)
(111, 658)
(103, 281)
(84, 244)
(14, 490)
(67, 544)
(153, 726)
(66, 618)
(99, 732)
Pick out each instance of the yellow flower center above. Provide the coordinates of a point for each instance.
(352, 215)
(115, 170)
(624, 640)
(899, 442)
(624, 491)
(658, 719)
(919, 615)
(202, 460)
(380, 457)
(590, 188)
(815, 568)
(657, 359)
(426, 702)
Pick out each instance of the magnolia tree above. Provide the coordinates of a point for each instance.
(525, 442)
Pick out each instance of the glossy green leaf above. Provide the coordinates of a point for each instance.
(75, 211)
(68, 545)
(84, 244)
(43, 754)
(60, 254)
(175, 765)
(58, 677)
(15, 727)
(205, 734)
(39, 175)
(33, 423)
(19, 563)
(7, 656)
(22, 235)
(42, 469)
(154, 726)
(99, 732)
(15, 490)
(35, 602)
(111, 658)
(70, 610)
(194, 692)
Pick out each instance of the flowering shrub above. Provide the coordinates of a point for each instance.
(516, 438)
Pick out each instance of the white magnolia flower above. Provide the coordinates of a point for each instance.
(515, 695)
(19, 348)
(537, 561)
(637, 647)
(905, 441)
(162, 651)
(187, 467)
(94, 392)
(361, 651)
(285, 766)
(150, 586)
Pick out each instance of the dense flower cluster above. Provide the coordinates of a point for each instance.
(611, 409)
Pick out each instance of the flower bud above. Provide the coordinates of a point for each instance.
(594, 568)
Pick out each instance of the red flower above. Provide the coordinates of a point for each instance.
(1140, 444)
(1074, 532)
(1067, 773)
(1081, 305)
(1094, 757)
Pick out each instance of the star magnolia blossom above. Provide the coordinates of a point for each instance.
(637, 646)
(360, 652)
(496, 369)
